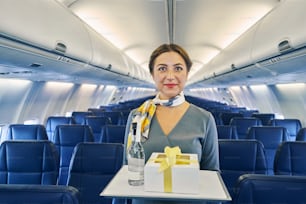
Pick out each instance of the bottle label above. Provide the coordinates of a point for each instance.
(135, 168)
(135, 176)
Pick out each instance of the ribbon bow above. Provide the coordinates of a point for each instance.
(170, 160)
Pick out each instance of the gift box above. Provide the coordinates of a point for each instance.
(180, 177)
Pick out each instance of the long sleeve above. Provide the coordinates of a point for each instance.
(210, 151)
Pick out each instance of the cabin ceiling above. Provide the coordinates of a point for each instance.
(205, 28)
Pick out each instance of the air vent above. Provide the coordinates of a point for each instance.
(233, 67)
(109, 67)
(16, 72)
(60, 47)
(284, 46)
(4, 73)
(35, 65)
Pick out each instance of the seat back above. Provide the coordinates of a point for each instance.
(290, 158)
(46, 194)
(271, 137)
(124, 117)
(54, 121)
(114, 116)
(243, 125)
(292, 126)
(66, 137)
(267, 189)
(227, 116)
(113, 134)
(79, 116)
(301, 135)
(26, 132)
(96, 123)
(227, 132)
(28, 162)
(92, 166)
(239, 157)
(264, 117)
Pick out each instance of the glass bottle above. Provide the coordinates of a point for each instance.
(136, 158)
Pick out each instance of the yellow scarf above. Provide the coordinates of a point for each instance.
(146, 111)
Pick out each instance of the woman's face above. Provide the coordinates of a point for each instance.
(169, 74)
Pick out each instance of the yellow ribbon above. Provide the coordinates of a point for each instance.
(166, 165)
(171, 157)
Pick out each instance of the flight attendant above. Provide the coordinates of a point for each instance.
(169, 119)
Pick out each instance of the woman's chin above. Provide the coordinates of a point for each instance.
(170, 93)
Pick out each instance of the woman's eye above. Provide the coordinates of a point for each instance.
(178, 69)
(162, 69)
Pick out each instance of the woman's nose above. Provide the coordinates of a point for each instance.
(170, 75)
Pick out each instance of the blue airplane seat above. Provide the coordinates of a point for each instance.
(271, 137)
(301, 135)
(92, 166)
(26, 132)
(290, 158)
(268, 189)
(28, 162)
(96, 123)
(292, 126)
(238, 157)
(243, 124)
(66, 137)
(124, 117)
(217, 116)
(35, 194)
(264, 117)
(227, 132)
(79, 116)
(248, 113)
(115, 116)
(113, 134)
(54, 121)
(227, 116)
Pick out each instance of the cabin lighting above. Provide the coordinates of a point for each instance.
(15, 82)
(259, 87)
(59, 84)
(291, 85)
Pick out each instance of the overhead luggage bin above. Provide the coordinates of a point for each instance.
(65, 34)
(274, 37)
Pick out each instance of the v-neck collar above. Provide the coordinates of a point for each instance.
(176, 126)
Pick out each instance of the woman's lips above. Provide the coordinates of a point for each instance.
(170, 85)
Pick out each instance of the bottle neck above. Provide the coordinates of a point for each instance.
(138, 133)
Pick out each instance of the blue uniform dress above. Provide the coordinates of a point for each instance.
(195, 133)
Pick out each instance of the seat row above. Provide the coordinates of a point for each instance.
(243, 124)
(107, 133)
(36, 162)
(20, 163)
(238, 157)
(267, 189)
(95, 123)
(47, 194)
(270, 136)
(115, 117)
(65, 138)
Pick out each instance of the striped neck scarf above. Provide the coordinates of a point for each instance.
(146, 111)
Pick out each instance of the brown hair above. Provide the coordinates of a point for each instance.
(168, 48)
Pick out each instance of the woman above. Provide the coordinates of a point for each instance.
(169, 119)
